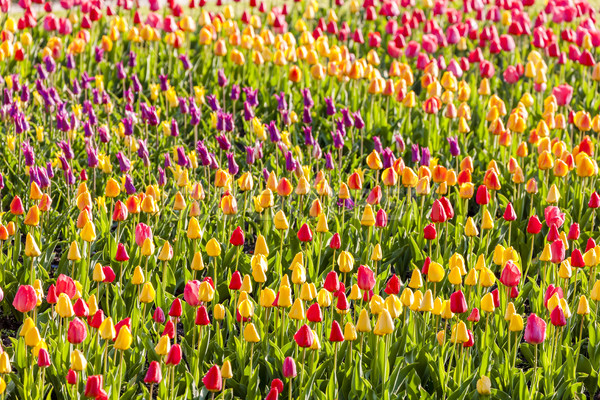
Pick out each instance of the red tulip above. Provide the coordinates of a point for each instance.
(509, 213)
(594, 201)
(550, 292)
(365, 278)
(277, 384)
(43, 358)
(174, 355)
(109, 274)
(535, 330)
(96, 320)
(332, 283)
(496, 297)
(430, 232)
(159, 316)
(557, 316)
(458, 304)
(25, 299)
(66, 285)
(273, 394)
(120, 213)
(577, 259)
(213, 380)
(393, 285)
(534, 226)
(169, 329)
(191, 293)
(121, 255)
(72, 377)
(52, 297)
(554, 216)
(474, 316)
(176, 309)
(553, 234)
(438, 214)
(77, 331)
(305, 234)
(16, 206)
(514, 292)
(557, 248)
(314, 314)
(289, 368)
(335, 242)
(342, 302)
(154, 374)
(81, 309)
(202, 317)
(470, 342)
(381, 219)
(304, 337)
(425, 268)
(336, 334)
(573, 231)
(482, 197)
(563, 94)
(448, 209)
(511, 275)
(237, 237)
(93, 386)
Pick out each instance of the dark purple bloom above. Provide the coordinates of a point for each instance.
(66, 149)
(307, 98)
(377, 144)
(143, 152)
(124, 163)
(309, 140)
(92, 156)
(50, 64)
(135, 81)
(338, 140)
(329, 106)
(251, 96)
(212, 102)
(329, 161)
(132, 60)
(425, 156)
(104, 134)
(306, 117)
(221, 78)
(416, 155)
(203, 153)
(174, 128)
(250, 155)
(167, 162)
(273, 132)
(281, 103)
(70, 62)
(454, 148)
(182, 159)
(248, 111)
(235, 92)
(387, 158)
(359, 123)
(121, 74)
(129, 187)
(162, 180)
(28, 154)
(231, 164)
(223, 142)
(399, 143)
(164, 82)
(290, 163)
(185, 62)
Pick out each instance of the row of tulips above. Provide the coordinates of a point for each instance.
(389, 199)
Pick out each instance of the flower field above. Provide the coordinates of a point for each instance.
(252, 200)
